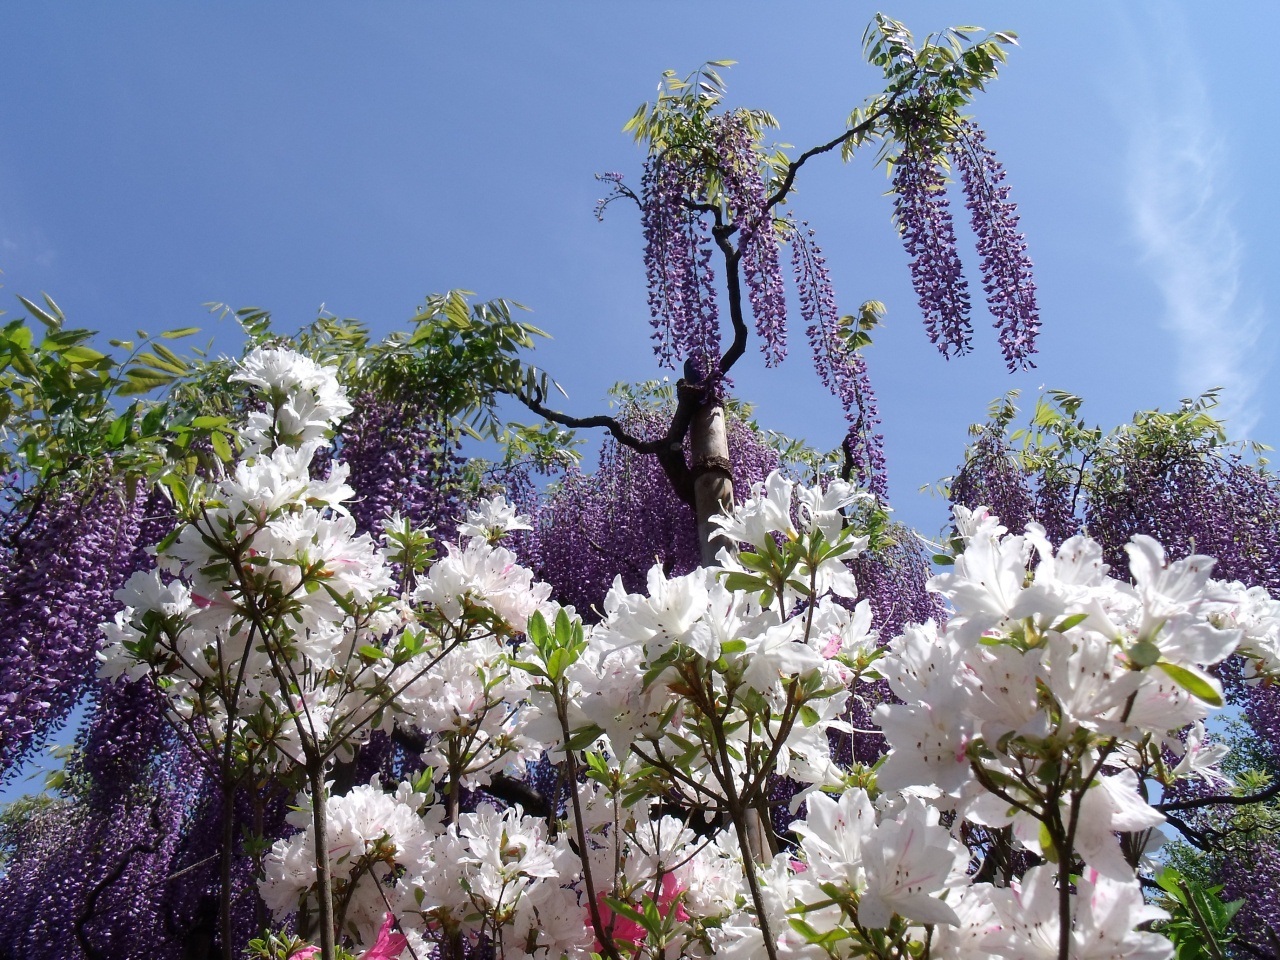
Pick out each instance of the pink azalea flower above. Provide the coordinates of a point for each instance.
(626, 930)
(389, 945)
(304, 953)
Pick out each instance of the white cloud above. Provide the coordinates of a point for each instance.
(1178, 167)
(25, 250)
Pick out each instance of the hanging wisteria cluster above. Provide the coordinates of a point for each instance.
(1050, 704)
(923, 214)
(1006, 268)
(401, 458)
(841, 367)
(64, 559)
(116, 867)
(992, 476)
(747, 198)
(678, 250)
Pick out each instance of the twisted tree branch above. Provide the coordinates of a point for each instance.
(669, 448)
(1229, 799)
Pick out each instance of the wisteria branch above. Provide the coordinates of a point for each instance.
(1229, 799)
(669, 449)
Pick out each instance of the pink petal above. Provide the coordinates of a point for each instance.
(389, 945)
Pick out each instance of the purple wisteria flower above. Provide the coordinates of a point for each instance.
(64, 560)
(923, 215)
(744, 189)
(1006, 268)
(402, 457)
(682, 191)
(992, 478)
(93, 877)
(678, 247)
(625, 516)
(842, 368)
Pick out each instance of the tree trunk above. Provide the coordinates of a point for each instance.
(712, 478)
(712, 495)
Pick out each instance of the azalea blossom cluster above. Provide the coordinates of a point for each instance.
(1048, 707)
(1036, 721)
(490, 874)
(265, 592)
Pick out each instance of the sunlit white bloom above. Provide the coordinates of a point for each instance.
(713, 878)
(929, 734)
(305, 399)
(986, 581)
(1069, 579)
(823, 508)
(1112, 805)
(489, 869)
(1090, 680)
(977, 924)
(492, 518)
(369, 830)
(115, 658)
(1257, 615)
(909, 862)
(901, 866)
(775, 653)
(1201, 757)
(1005, 692)
(483, 575)
(1106, 914)
(766, 512)
(469, 704)
(730, 615)
(146, 592)
(979, 523)
(663, 616)
(832, 836)
(611, 692)
(838, 632)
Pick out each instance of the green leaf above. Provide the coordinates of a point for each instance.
(180, 332)
(1066, 623)
(584, 737)
(1194, 682)
(159, 363)
(19, 334)
(537, 632)
(221, 446)
(154, 419)
(177, 488)
(174, 360)
(83, 355)
(118, 429)
(140, 380)
(626, 910)
(22, 362)
(742, 582)
(48, 319)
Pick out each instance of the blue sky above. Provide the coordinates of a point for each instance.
(157, 156)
